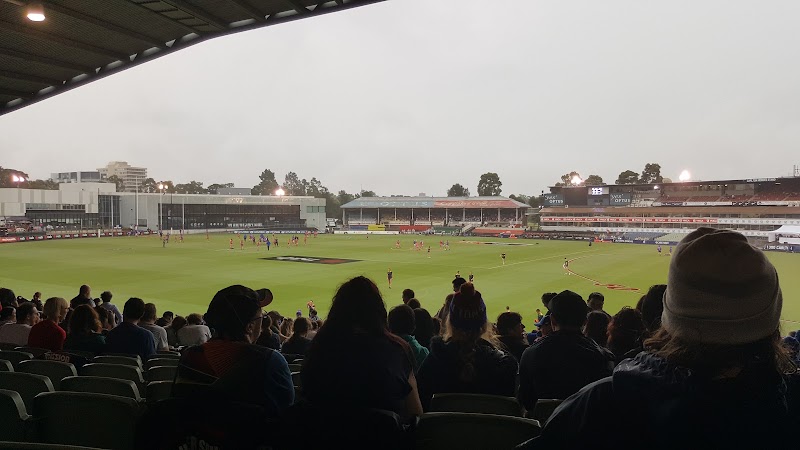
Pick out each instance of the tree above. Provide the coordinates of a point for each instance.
(628, 177)
(169, 187)
(368, 194)
(522, 198)
(117, 181)
(292, 185)
(6, 175)
(593, 180)
(148, 185)
(651, 174)
(344, 198)
(315, 188)
(566, 179)
(192, 187)
(535, 201)
(457, 190)
(489, 185)
(43, 184)
(268, 184)
(214, 188)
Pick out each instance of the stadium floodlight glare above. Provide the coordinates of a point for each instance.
(35, 12)
(280, 192)
(685, 176)
(655, 188)
(17, 179)
(576, 180)
(160, 186)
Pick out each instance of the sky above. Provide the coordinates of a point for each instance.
(412, 96)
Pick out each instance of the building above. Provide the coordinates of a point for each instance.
(668, 211)
(78, 177)
(131, 176)
(233, 191)
(446, 214)
(98, 205)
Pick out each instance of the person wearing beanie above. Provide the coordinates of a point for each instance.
(445, 310)
(563, 362)
(467, 357)
(716, 366)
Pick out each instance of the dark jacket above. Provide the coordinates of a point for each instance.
(495, 371)
(514, 345)
(648, 403)
(559, 365)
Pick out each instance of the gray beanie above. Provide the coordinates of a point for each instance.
(721, 290)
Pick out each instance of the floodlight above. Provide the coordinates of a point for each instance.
(17, 179)
(160, 186)
(685, 176)
(576, 180)
(35, 12)
(280, 192)
(655, 188)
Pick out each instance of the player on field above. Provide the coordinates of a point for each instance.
(658, 249)
(670, 251)
(389, 277)
(241, 244)
(268, 244)
(397, 244)
(429, 251)
(471, 277)
(566, 265)
(230, 244)
(503, 257)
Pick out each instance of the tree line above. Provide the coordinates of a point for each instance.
(651, 174)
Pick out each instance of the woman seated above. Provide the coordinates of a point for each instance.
(355, 361)
(231, 363)
(467, 358)
(298, 343)
(85, 331)
(47, 333)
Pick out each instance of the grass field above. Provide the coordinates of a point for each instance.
(184, 277)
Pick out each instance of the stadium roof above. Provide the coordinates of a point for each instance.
(434, 202)
(82, 41)
(776, 180)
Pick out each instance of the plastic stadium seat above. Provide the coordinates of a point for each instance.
(544, 409)
(476, 403)
(8, 346)
(35, 351)
(15, 356)
(40, 446)
(158, 390)
(291, 357)
(102, 385)
(27, 385)
(162, 373)
(6, 366)
(168, 362)
(160, 353)
(76, 359)
(54, 370)
(127, 355)
(121, 360)
(473, 431)
(296, 379)
(295, 367)
(165, 356)
(120, 417)
(13, 416)
(114, 371)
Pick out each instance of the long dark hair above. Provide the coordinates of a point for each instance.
(84, 321)
(357, 308)
(625, 331)
(712, 359)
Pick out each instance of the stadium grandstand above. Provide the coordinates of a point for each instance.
(764, 209)
(450, 215)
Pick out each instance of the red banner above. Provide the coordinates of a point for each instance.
(631, 219)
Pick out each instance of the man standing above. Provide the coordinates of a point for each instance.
(560, 364)
(148, 322)
(128, 337)
(596, 301)
(84, 297)
(105, 299)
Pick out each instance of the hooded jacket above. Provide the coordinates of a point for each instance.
(650, 404)
(494, 371)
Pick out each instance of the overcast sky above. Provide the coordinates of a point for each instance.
(411, 96)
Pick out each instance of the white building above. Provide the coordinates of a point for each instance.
(130, 176)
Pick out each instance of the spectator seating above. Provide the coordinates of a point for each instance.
(6, 366)
(158, 390)
(118, 371)
(40, 446)
(119, 414)
(15, 357)
(54, 370)
(439, 430)
(161, 373)
(295, 367)
(165, 353)
(168, 362)
(36, 352)
(296, 379)
(102, 385)
(673, 237)
(128, 355)
(28, 385)
(13, 416)
(8, 346)
(476, 403)
(76, 359)
(121, 360)
(544, 409)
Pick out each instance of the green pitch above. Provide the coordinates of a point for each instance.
(184, 276)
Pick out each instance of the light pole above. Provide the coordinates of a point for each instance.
(17, 179)
(160, 220)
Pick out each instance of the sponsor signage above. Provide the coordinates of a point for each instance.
(620, 199)
(310, 259)
(553, 200)
(631, 219)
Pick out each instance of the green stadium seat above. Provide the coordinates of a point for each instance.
(15, 357)
(162, 373)
(168, 362)
(41, 446)
(35, 351)
(8, 346)
(13, 416)
(127, 355)
(102, 385)
(28, 385)
(295, 367)
(6, 366)
(121, 360)
(54, 370)
(165, 356)
(158, 390)
(476, 403)
(119, 371)
(544, 409)
(296, 379)
(161, 353)
(120, 416)
(439, 430)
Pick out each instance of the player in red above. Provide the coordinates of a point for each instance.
(241, 244)
(231, 244)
